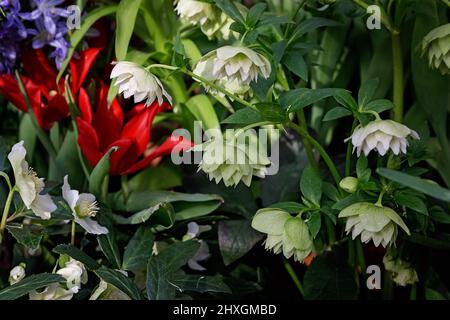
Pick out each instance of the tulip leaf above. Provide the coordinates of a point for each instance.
(98, 177)
(77, 254)
(125, 19)
(202, 109)
(120, 281)
(199, 283)
(78, 34)
(429, 188)
(236, 238)
(311, 185)
(31, 283)
(138, 250)
(162, 267)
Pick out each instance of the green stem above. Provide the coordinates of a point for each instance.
(385, 20)
(40, 133)
(388, 286)
(348, 156)
(320, 149)
(72, 233)
(398, 85)
(294, 277)
(6, 211)
(124, 186)
(413, 293)
(330, 231)
(308, 148)
(360, 256)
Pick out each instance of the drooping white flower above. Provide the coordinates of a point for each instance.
(382, 135)
(134, 80)
(373, 222)
(212, 21)
(16, 274)
(29, 184)
(75, 274)
(194, 230)
(286, 234)
(437, 45)
(233, 67)
(401, 271)
(83, 207)
(53, 292)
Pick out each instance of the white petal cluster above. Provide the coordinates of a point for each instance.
(193, 232)
(134, 80)
(29, 184)
(233, 68)
(83, 207)
(16, 274)
(402, 272)
(285, 233)
(382, 135)
(437, 45)
(233, 160)
(372, 222)
(212, 21)
(74, 274)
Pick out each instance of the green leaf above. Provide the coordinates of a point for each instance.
(200, 284)
(161, 269)
(336, 113)
(314, 223)
(186, 210)
(411, 201)
(431, 294)
(161, 177)
(439, 215)
(297, 99)
(202, 109)
(28, 235)
(31, 283)
(429, 188)
(139, 217)
(108, 245)
(78, 34)
(312, 24)
(236, 238)
(295, 62)
(27, 133)
(99, 174)
(311, 185)
(120, 281)
(77, 254)
(254, 14)
(329, 277)
(379, 105)
(362, 172)
(291, 207)
(138, 250)
(367, 91)
(125, 20)
(345, 99)
(230, 9)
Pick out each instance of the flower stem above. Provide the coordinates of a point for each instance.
(320, 149)
(309, 151)
(348, 156)
(6, 211)
(385, 20)
(360, 255)
(293, 276)
(397, 61)
(72, 233)
(413, 293)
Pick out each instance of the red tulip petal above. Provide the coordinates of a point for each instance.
(39, 70)
(10, 89)
(166, 148)
(88, 142)
(80, 67)
(124, 157)
(55, 110)
(85, 106)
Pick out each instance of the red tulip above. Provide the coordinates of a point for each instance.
(107, 127)
(46, 96)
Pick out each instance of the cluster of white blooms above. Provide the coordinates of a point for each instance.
(437, 45)
(133, 80)
(285, 233)
(373, 222)
(16, 274)
(74, 274)
(402, 272)
(232, 68)
(212, 21)
(382, 135)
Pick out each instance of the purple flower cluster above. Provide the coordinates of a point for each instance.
(46, 27)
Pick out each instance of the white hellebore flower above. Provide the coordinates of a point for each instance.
(16, 274)
(372, 222)
(75, 274)
(402, 272)
(29, 184)
(382, 135)
(233, 68)
(194, 230)
(134, 80)
(53, 292)
(83, 207)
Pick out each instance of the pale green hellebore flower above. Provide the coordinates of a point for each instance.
(29, 185)
(372, 222)
(83, 207)
(402, 272)
(134, 80)
(16, 274)
(437, 45)
(349, 184)
(382, 135)
(286, 234)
